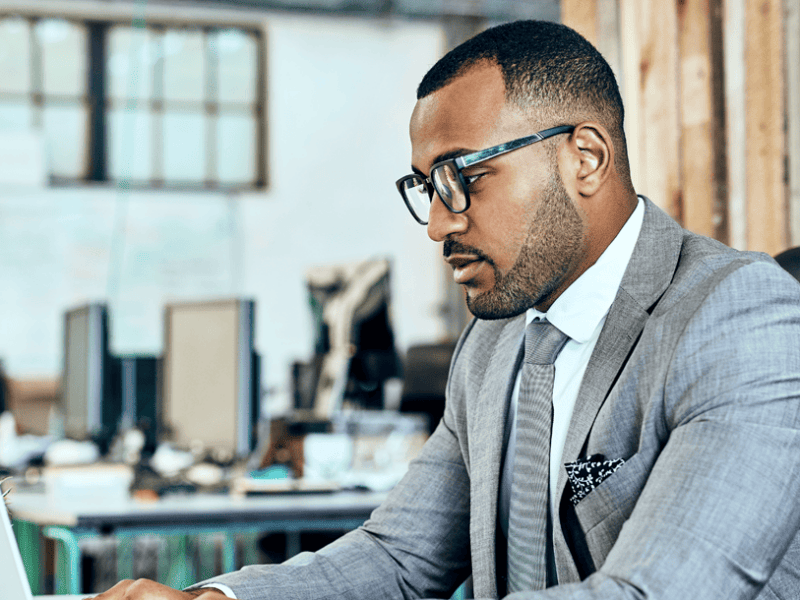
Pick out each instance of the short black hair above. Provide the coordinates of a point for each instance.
(547, 67)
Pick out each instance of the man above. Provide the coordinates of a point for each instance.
(673, 443)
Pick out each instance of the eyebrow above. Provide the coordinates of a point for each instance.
(445, 156)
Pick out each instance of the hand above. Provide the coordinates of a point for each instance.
(144, 589)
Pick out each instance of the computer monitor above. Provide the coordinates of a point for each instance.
(355, 351)
(211, 377)
(137, 383)
(91, 408)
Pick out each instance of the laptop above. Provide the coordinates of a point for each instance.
(12, 574)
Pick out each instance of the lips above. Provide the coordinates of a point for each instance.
(467, 261)
(465, 266)
(459, 260)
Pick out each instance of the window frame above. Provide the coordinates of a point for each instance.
(98, 102)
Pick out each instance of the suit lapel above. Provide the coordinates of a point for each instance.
(486, 451)
(624, 323)
(649, 272)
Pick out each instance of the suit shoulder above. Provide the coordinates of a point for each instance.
(705, 263)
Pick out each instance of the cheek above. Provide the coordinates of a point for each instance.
(518, 216)
(504, 229)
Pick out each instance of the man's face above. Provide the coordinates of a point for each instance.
(521, 241)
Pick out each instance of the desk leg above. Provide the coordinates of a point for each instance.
(69, 560)
(181, 568)
(125, 545)
(27, 535)
(229, 552)
(249, 548)
(206, 554)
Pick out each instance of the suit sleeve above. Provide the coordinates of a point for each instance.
(720, 508)
(415, 545)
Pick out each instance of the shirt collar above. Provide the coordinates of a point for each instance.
(580, 308)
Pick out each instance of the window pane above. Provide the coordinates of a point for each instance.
(15, 56)
(15, 116)
(132, 55)
(130, 144)
(237, 57)
(65, 140)
(184, 147)
(64, 57)
(184, 66)
(236, 149)
(22, 159)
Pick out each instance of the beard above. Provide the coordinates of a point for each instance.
(553, 246)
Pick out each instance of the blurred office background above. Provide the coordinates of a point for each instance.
(164, 160)
(159, 151)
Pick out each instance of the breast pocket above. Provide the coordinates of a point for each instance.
(602, 512)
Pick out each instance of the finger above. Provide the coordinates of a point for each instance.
(142, 589)
(117, 592)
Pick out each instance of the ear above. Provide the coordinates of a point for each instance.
(592, 157)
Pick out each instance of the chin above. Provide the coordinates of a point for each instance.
(489, 309)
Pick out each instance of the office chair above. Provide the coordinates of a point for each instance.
(790, 260)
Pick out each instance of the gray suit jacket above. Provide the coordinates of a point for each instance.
(694, 383)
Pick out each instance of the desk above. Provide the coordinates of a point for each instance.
(68, 521)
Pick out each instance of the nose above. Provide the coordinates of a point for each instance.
(442, 222)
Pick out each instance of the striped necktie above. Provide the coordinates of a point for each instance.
(529, 506)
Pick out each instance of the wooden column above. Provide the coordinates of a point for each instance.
(630, 86)
(581, 15)
(650, 59)
(712, 138)
(598, 22)
(735, 121)
(702, 143)
(608, 35)
(767, 222)
(792, 27)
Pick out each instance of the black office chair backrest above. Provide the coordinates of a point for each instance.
(790, 260)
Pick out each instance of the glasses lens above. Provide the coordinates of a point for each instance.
(448, 186)
(415, 193)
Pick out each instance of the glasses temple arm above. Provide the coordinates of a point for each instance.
(482, 155)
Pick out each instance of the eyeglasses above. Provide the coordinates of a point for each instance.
(449, 182)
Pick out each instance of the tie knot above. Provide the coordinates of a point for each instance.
(543, 342)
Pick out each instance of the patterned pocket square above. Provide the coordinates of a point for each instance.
(585, 474)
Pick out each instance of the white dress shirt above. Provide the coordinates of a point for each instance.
(580, 313)
(222, 588)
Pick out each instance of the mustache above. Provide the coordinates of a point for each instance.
(455, 247)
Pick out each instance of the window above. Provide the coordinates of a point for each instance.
(43, 86)
(146, 106)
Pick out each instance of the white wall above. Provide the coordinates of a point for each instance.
(340, 92)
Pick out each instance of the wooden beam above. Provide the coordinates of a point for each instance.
(650, 58)
(598, 22)
(581, 15)
(630, 86)
(608, 34)
(793, 114)
(717, 41)
(735, 122)
(767, 213)
(700, 171)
